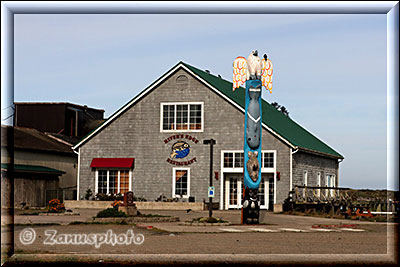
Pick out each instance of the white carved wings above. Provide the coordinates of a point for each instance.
(241, 73)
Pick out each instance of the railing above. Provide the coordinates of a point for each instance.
(319, 194)
(337, 199)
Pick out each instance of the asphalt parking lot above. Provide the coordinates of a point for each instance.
(278, 235)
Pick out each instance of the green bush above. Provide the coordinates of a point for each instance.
(209, 220)
(88, 194)
(110, 197)
(110, 212)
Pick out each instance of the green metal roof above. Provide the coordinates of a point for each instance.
(274, 119)
(32, 168)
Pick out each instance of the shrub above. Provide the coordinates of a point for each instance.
(88, 194)
(108, 197)
(110, 212)
(55, 206)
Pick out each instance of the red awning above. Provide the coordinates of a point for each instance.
(112, 162)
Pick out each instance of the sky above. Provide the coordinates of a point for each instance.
(329, 70)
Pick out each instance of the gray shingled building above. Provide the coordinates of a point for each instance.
(153, 145)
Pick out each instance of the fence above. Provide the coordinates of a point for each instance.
(61, 194)
(337, 199)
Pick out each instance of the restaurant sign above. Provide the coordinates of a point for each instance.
(180, 149)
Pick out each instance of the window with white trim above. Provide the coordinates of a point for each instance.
(327, 177)
(268, 159)
(181, 182)
(305, 174)
(112, 181)
(233, 159)
(305, 182)
(319, 183)
(330, 180)
(183, 117)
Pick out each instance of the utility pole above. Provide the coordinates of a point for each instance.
(210, 142)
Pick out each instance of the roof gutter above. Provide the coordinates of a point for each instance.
(78, 171)
(320, 153)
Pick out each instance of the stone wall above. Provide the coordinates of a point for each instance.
(93, 204)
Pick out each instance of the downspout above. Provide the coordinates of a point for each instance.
(291, 168)
(78, 172)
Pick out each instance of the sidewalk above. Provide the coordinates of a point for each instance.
(268, 220)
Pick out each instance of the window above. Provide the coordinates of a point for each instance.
(233, 159)
(102, 182)
(182, 117)
(112, 181)
(181, 182)
(228, 160)
(233, 191)
(239, 160)
(327, 184)
(305, 174)
(271, 198)
(268, 159)
(305, 182)
(261, 193)
(195, 117)
(319, 183)
(124, 181)
(330, 180)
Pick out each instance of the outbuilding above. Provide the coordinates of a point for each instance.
(153, 145)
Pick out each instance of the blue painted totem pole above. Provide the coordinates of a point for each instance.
(255, 73)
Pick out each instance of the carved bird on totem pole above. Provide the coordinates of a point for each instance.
(254, 68)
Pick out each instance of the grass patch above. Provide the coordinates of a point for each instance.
(151, 215)
(208, 220)
(29, 213)
(86, 223)
(35, 224)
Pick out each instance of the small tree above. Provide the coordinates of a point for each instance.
(88, 194)
(284, 111)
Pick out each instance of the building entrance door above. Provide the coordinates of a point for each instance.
(233, 191)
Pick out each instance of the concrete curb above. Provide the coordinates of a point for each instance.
(203, 224)
(135, 219)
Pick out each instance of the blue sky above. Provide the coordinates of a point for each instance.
(329, 70)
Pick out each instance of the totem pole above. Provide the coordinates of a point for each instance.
(255, 73)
